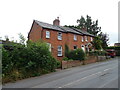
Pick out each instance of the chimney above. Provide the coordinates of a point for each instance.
(84, 29)
(56, 22)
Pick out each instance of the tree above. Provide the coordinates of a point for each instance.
(97, 43)
(89, 25)
(81, 23)
(22, 38)
(101, 39)
(104, 38)
(95, 29)
(6, 38)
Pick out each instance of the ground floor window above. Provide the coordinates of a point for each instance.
(83, 47)
(75, 47)
(49, 46)
(59, 50)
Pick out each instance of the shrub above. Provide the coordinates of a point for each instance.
(77, 54)
(97, 53)
(58, 64)
(66, 50)
(31, 60)
(65, 59)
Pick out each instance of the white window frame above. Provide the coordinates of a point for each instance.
(82, 48)
(86, 38)
(82, 39)
(49, 44)
(91, 38)
(60, 50)
(59, 35)
(75, 37)
(47, 34)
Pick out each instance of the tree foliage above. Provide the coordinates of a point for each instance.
(77, 54)
(104, 38)
(89, 25)
(92, 27)
(26, 61)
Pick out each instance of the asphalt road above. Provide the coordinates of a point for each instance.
(96, 75)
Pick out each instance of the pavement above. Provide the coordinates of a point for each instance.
(95, 75)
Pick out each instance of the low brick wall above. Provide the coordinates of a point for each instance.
(90, 59)
(68, 64)
(101, 58)
(74, 63)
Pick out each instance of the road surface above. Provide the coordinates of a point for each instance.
(96, 75)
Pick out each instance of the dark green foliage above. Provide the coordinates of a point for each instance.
(58, 64)
(105, 39)
(77, 54)
(97, 43)
(89, 25)
(97, 53)
(93, 28)
(66, 59)
(66, 50)
(26, 61)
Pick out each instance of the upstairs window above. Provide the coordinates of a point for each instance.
(47, 34)
(75, 47)
(49, 46)
(59, 36)
(75, 37)
(86, 38)
(82, 38)
(59, 50)
(91, 39)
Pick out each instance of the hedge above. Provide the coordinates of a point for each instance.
(26, 61)
(97, 53)
(77, 54)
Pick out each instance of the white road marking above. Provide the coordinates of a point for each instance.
(80, 79)
(107, 69)
(85, 78)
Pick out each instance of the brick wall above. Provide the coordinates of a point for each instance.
(37, 33)
(90, 59)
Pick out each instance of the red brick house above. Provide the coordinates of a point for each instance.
(57, 36)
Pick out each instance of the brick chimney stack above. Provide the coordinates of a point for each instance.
(56, 22)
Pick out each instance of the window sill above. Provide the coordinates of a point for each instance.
(60, 56)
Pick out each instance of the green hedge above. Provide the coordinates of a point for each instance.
(26, 61)
(97, 53)
(77, 54)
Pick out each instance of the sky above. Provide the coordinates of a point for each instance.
(17, 15)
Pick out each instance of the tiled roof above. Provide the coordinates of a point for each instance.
(67, 29)
(84, 32)
(62, 29)
(49, 26)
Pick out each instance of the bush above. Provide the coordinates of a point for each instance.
(58, 64)
(66, 50)
(77, 54)
(97, 53)
(31, 60)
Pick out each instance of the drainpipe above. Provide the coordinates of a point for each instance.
(41, 33)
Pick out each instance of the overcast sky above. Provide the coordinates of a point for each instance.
(17, 15)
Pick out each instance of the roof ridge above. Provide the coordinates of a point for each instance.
(62, 28)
